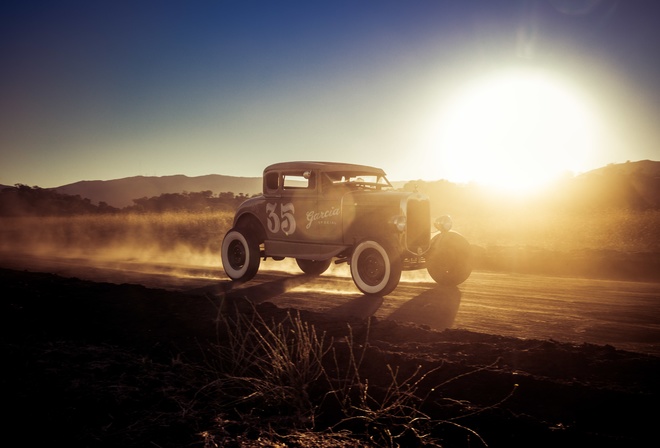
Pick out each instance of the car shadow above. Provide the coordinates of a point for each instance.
(256, 294)
(360, 307)
(436, 307)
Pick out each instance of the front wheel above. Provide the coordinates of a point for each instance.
(313, 267)
(240, 255)
(375, 268)
(449, 261)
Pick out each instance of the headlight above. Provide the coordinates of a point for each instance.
(399, 222)
(443, 223)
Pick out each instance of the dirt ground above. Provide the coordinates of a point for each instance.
(99, 364)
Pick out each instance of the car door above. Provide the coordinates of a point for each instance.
(325, 220)
(294, 194)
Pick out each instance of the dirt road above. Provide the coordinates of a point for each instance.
(102, 364)
(625, 315)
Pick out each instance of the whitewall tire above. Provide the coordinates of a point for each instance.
(240, 255)
(375, 268)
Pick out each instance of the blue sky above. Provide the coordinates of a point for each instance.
(112, 89)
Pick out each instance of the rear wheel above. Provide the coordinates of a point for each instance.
(240, 255)
(375, 268)
(449, 261)
(313, 267)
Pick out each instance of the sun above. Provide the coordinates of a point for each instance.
(516, 130)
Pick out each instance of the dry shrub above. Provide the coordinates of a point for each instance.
(285, 375)
(271, 366)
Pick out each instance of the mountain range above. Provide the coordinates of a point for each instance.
(121, 192)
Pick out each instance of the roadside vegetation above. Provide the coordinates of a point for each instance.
(555, 236)
(293, 385)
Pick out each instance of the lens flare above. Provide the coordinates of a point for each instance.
(517, 130)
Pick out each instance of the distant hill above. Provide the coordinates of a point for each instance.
(121, 192)
(631, 185)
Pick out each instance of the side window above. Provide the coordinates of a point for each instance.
(299, 181)
(272, 182)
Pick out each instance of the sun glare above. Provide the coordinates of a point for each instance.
(516, 131)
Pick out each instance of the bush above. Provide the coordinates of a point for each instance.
(286, 375)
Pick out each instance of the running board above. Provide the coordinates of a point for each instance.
(306, 251)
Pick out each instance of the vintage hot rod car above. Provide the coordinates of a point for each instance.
(319, 211)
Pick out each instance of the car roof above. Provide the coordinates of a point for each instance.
(324, 166)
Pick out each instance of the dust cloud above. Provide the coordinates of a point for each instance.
(182, 244)
(188, 244)
(164, 239)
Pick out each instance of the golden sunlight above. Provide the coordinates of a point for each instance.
(517, 131)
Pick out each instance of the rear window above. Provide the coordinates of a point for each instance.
(272, 181)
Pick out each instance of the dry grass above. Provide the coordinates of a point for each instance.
(271, 365)
(522, 239)
(322, 391)
(618, 230)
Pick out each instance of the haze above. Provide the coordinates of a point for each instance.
(507, 93)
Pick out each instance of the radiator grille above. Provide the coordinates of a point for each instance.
(418, 225)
